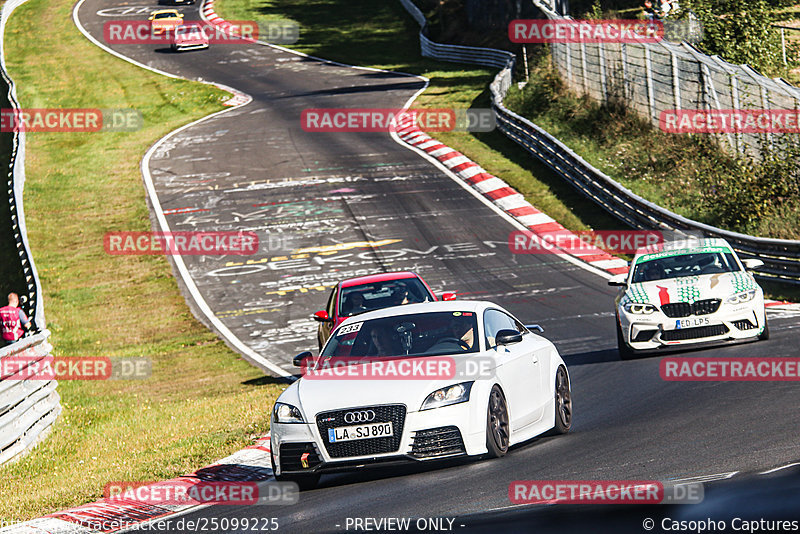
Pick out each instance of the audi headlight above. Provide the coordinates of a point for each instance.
(447, 396)
(739, 298)
(636, 307)
(286, 413)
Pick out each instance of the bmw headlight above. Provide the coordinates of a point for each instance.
(636, 307)
(446, 396)
(286, 413)
(739, 298)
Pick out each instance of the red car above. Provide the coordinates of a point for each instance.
(373, 292)
(189, 37)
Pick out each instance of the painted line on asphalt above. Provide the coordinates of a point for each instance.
(223, 330)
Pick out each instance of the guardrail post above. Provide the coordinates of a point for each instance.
(601, 54)
(734, 85)
(568, 55)
(651, 100)
(676, 79)
(583, 68)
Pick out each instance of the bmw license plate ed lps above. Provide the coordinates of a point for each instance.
(349, 433)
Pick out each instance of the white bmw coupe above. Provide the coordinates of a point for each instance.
(419, 382)
(688, 294)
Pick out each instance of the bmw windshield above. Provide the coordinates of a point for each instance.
(421, 334)
(681, 265)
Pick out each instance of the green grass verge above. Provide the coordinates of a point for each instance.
(203, 401)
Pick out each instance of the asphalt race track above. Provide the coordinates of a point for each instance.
(328, 206)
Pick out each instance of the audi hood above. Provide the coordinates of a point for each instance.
(314, 394)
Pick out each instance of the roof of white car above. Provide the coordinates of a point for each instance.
(690, 244)
(425, 307)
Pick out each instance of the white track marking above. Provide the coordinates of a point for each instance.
(775, 469)
(224, 331)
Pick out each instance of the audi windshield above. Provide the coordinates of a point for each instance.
(421, 334)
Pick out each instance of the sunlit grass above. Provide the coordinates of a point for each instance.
(202, 401)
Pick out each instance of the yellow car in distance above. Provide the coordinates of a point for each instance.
(165, 20)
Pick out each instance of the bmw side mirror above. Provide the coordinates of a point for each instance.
(752, 263)
(507, 337)
(618, 280)
(448, 296)
(300, 359)
(535, 328)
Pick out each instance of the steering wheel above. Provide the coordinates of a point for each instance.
(463, 344)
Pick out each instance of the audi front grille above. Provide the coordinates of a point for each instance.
(438, 442)
(292, 457)
(394, 413)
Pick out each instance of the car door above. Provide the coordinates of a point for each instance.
(518, 367)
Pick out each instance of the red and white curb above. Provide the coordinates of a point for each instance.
(491, 187)
(238, 99)
(501, 194)
(251, 464)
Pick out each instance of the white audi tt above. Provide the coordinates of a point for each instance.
(688, 294)
(419, 382)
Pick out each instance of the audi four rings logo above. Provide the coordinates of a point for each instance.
(363, 416)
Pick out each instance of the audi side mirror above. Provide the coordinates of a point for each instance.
(300, 359)
(322, 317)
(535, 328)
(448, 296)
(507, 337)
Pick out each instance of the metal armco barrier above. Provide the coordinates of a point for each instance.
(15, 177)
(29, 407)
(781, 257)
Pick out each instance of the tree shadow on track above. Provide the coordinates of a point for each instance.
(591, 357)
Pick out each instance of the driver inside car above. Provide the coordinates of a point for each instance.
(461, 329)
(382, 342)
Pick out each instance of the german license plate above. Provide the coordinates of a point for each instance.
(688, 323)
(350, 433)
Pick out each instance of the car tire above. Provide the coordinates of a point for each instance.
(304, 482)
(563, 402)
(765, 334)
(625, 352)
(497, 424)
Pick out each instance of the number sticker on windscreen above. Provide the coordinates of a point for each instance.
(349, 329)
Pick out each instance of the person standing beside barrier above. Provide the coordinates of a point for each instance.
(14, 320)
